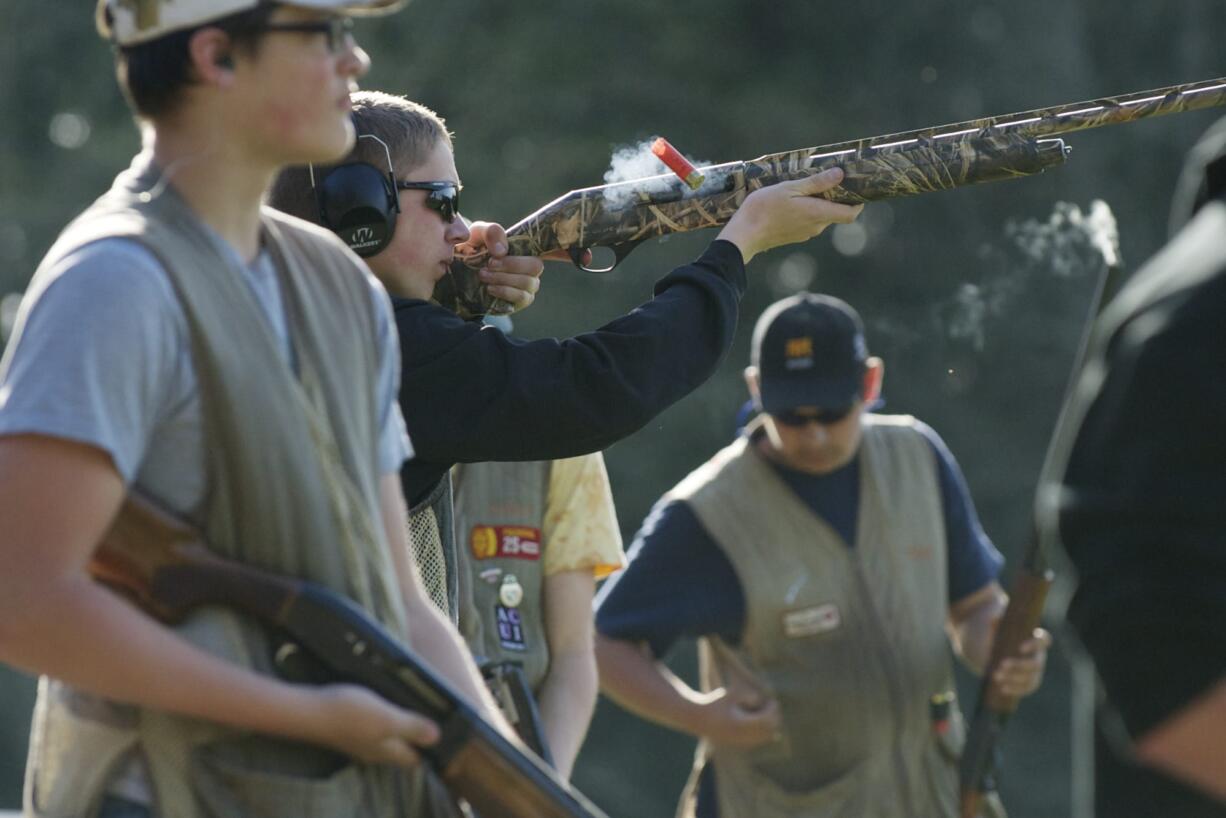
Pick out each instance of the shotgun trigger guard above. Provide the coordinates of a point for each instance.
(620, 251)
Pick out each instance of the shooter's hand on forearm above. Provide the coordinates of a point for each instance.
(786, 213)
(514, 279)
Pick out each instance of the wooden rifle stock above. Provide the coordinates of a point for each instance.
(1026, 599)
(167, 569)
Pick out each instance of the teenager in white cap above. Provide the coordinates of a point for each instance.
(239, 368)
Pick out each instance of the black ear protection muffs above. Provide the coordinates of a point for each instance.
(359, 203)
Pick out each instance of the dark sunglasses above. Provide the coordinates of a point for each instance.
(824, 416)
(337, 29)
(441, 197)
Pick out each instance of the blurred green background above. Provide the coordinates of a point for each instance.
(960, 291)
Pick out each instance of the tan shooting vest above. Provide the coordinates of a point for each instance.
(500, 516)
(850, 641)
(292, 488)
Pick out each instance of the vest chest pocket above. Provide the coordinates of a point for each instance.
(77, 743)
(255, 777)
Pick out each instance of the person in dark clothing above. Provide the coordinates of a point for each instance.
(472, 393)
(1139, 507)
(469, 393)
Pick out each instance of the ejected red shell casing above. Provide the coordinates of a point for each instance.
(677, 163)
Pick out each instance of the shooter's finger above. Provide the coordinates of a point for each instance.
(487, 236)
(817, 183)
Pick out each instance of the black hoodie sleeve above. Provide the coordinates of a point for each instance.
(470, 393)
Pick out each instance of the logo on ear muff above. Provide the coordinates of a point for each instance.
(358, 202)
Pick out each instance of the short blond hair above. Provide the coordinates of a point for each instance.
(409, 129)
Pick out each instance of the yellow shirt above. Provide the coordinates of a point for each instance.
(580, 527)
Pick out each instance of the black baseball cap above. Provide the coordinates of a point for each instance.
(810, 351)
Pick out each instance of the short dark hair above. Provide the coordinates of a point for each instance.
(153, 75)
(409, 129)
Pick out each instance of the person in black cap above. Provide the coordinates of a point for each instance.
(1138, 504)
(819, 559)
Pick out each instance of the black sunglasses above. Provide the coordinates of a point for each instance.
(824, 416)
(337, 29)
(441, 197)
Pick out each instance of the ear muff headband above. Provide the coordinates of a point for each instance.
(359, 203)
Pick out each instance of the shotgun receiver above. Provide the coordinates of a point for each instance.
(168, 570)
(622, 215)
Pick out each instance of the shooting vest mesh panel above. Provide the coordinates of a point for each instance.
(433, 548)
(292, 488)
(850, 641)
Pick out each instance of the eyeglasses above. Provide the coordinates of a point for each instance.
(824, 416)
(338, 30)
(441, 197)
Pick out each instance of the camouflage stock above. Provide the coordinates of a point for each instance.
(620, 216)
(463, 293)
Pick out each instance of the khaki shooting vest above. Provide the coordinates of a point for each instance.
(850, 641)
(500, 514)
(292, 479)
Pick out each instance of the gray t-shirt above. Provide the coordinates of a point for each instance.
(103, 357)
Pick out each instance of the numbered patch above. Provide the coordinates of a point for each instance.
(514, 541)
(510, 628)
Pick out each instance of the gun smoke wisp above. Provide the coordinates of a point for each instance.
(1071, 245)
(634, 172)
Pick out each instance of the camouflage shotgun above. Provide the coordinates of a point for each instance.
(164, 566)
(622, 215)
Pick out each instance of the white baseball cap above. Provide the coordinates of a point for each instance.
(130, 22)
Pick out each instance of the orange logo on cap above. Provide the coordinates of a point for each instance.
(798, 347)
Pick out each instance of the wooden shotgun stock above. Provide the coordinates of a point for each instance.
(164, 566)
(1026, 598)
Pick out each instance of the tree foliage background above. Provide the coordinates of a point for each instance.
(963, 292)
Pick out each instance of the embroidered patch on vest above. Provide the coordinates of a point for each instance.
(510, 628)
(515, 541)
(811, 621)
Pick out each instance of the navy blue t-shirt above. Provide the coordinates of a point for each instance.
(679, 583)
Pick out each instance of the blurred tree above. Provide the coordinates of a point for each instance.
(541, 94)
